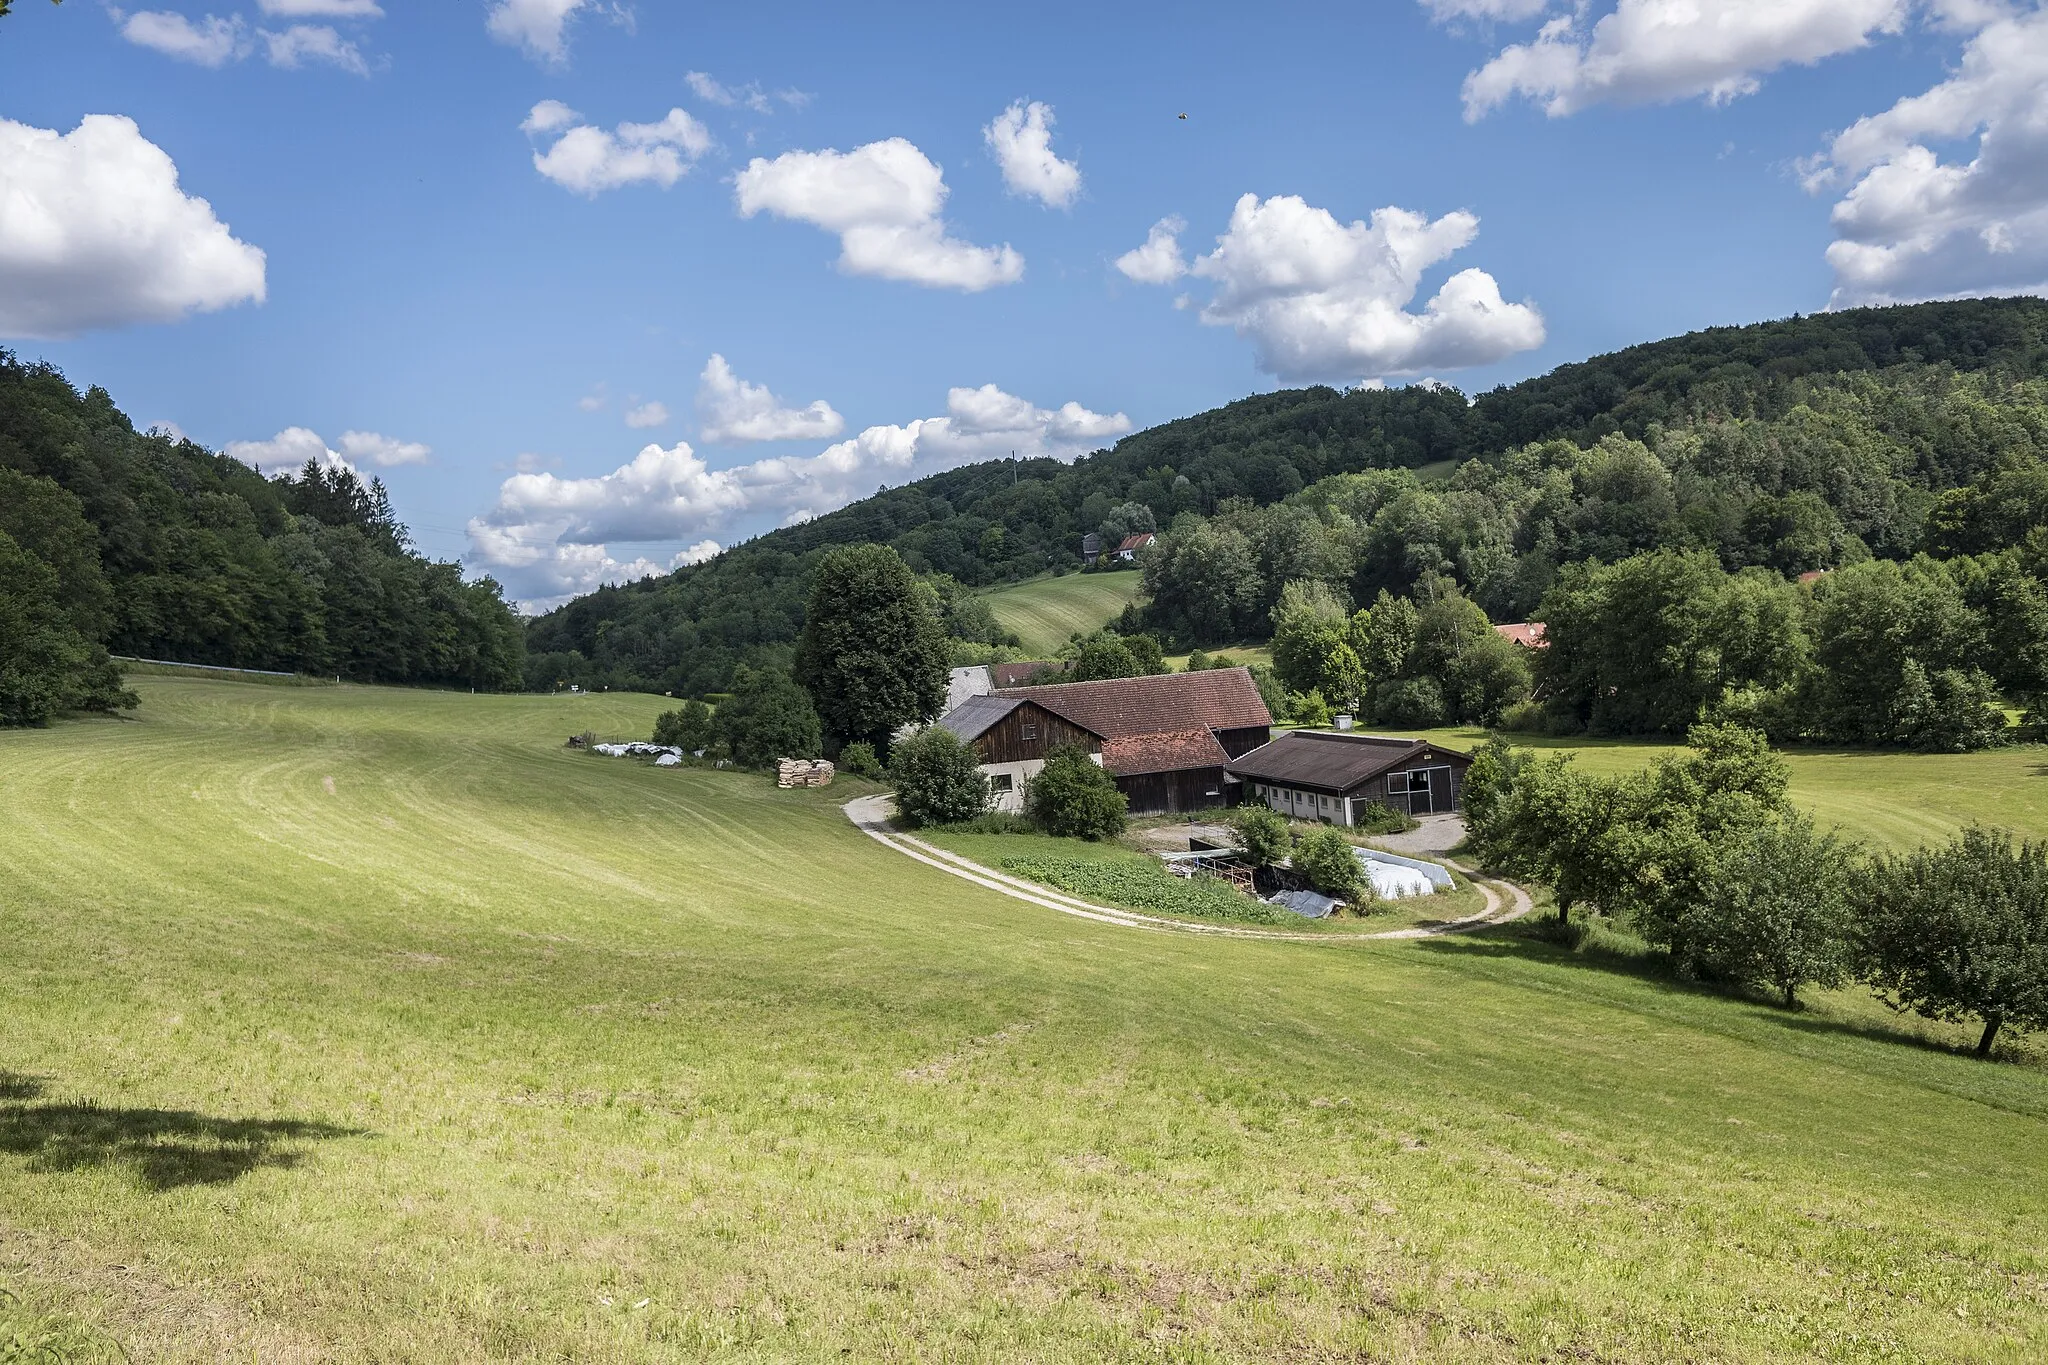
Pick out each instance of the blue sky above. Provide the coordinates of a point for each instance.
(486, 239)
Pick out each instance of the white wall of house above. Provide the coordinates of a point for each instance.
(1007, 782)
(1299, 804)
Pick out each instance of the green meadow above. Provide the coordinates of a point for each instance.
(353, 1024)
(1045, 612)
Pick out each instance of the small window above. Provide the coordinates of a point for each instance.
(1397, 783)
(1030, 730)
(1002, 782)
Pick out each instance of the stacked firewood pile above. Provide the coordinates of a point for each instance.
(803, 772)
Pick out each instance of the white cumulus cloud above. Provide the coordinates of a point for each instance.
(1158, 261)
(1487, 11)
(1322, 300)
(1021, 139)
(588, 160)
(95, 232)
(212, 41)
(318, 43)
(884, 200)
(291, 448)
(385, 452)
(1654, 51)
(646, 415)
(321, 9)
(537, 27)
(750, 96)
(733, 411)
(546, 535)
(1915, 225)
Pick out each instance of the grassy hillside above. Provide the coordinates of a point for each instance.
(1044, 612)
(349, 1024)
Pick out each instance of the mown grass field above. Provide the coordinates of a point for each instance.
(1046, 612)
(348, 1024)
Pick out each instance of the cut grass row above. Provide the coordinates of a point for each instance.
(493, 1051)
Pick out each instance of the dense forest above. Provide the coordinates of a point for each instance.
(145, 545)
(1790, 446)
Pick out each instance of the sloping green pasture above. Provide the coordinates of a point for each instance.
(1046, 612)
(495, 1050)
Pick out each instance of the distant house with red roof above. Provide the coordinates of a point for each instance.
(1527, 634)
(1166, 738)
(1127, 549)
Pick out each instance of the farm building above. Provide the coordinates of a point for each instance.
(1319, 775)
(1528, 634)
(1127, 551)
(1167, 739)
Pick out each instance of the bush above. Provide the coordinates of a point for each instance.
(768, 718)
(1309, 709)
(1540, 718)
(1261, 834)
(859, 759)
(1413, 703)
(1075, 798)
(938, 779)
(1147, 886)
(1377, 817)
(993, 822)
(690, 728)
(1331, 865)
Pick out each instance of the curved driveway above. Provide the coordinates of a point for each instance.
(871, 815)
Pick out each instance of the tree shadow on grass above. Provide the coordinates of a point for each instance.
(166, 1148)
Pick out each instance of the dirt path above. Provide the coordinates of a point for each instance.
(870, 814)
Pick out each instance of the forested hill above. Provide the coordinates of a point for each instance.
(1783, 443)
(116, 539)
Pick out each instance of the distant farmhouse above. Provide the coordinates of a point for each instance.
(1167, 739)
(1128, 550)
(1318, 775)
(1528, 634)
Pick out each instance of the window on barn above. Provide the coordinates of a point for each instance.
(1030, 730)
(1002, 782)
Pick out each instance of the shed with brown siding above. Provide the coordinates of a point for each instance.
(1012, 736)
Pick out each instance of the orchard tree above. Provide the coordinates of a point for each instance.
(1777, 913)
(873, 653)
(1959, 933)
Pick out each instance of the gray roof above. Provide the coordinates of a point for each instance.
(974, 717)
(1332, 762)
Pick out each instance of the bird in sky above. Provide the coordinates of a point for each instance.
(1183, 118)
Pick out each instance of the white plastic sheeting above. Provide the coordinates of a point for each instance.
(1393, 881)
(638, 749)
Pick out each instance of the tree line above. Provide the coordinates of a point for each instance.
(146, 544)
(1790, 446)
(1706, 859)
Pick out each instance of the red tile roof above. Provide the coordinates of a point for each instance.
(1137, 542)
(1525, 633)
(1167, 752)
(1117, 708)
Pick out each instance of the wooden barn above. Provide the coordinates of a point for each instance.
(1168, 740)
